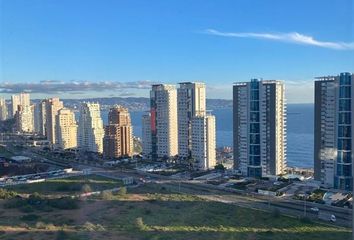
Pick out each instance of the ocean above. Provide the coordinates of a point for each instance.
(300, 120)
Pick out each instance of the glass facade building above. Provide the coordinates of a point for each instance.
(333, 131)
(343, 167)
(259, 128)
(254, 160)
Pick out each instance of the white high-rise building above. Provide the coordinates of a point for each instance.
(24, 118)
(19, 100)
(25, 99)
(259, 128)
(3, 109)
(333, 152)
(52, 105)
(191, 102)
(324, 149)
(164, 129)
(23, 112)
(15, 102)
(66, 129)
(146, 135)
(203, 141)
(91, 131)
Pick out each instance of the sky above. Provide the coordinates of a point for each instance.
(112, 48)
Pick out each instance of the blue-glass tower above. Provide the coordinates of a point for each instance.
(343, 167)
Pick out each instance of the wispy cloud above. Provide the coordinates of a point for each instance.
(292, 37)
(72, 87)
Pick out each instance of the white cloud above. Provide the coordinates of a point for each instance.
(300, 91)
(292, 37)
(73, 87)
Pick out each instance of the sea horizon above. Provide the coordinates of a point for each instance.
(300, 121)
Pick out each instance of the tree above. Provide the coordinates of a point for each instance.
(107, 195)
(220, 167)
(122, 191)
(175, 158)
(165, 158)
(86, 188)
(190, 162)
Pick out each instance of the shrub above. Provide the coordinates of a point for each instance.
(140, 223)
(122, 191)
(88, 226)
(24, 225)
(220, 167)
(107, 195)
(6, 194)
(86, 188)
(40, 225)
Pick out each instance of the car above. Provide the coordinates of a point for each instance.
(333, 218)
(315, 209)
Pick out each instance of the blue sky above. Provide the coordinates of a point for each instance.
(118, 48)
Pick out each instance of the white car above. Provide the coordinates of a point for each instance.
(333, 218)
(315, 209)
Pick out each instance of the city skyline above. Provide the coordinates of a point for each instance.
(201, 119)
(127, 47)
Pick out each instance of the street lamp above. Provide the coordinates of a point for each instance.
(305, 196)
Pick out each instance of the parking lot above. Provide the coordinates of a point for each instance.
(37, 177)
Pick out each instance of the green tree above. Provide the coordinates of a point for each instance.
(220, 167)
(107, 195)
(191, 162)
(86, 188)
(122, 191)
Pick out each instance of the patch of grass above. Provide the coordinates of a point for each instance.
(40, 203)
(70, 185)
(148, 212)
(172, 197)
(183, 216)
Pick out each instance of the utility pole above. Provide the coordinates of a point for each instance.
(268, 202)
(305, 204)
